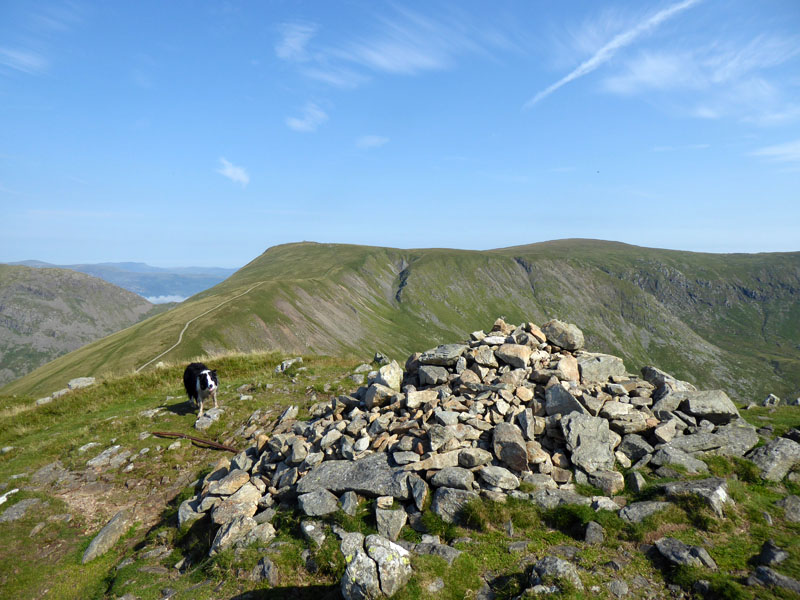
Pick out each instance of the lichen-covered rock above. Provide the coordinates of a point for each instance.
(231, 532)
(552, 567)
(393, 561)
(448, 502)
(776, 458)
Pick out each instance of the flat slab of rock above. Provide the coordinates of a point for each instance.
(209, 417)
(712, 405)
(639, 511)
(369, 476)
(599, 367)
(776, 458)
(549, 498)
(445, 355)
(682, 554)
(713, 491)
(672, 456)
(771, 578)
(108, 536)
(16, 512)
(734, 439)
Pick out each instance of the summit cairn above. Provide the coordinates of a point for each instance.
(517, 405)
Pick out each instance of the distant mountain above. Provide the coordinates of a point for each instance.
(45, 313)
(729, 321)
(156, 284)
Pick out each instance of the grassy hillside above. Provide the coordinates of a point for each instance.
(47, 449)
(45, 313)
(730, 321)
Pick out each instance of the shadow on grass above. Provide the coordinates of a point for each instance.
(186, 407)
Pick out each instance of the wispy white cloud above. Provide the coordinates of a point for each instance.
(618, 42)
(313, 117)
(405, 43)
(25, 61)
(785, 153)
(340, 77)
(719, 79)
(371, 141)
(232, 172)
(31, 48)
(294, 40)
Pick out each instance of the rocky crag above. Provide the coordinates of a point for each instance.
(519, 412)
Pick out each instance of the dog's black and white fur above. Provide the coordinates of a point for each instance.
(200, 383)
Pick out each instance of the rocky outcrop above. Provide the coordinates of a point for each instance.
(476, 420)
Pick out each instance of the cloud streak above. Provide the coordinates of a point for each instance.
(406, 43)
(24, 61)
(617, 43)
(294, 39)
(785, 153)
(371, 141)
(232, 172)
(313, 117)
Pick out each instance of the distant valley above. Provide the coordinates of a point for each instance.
(727, 321)
(45, 313)
(157, 285)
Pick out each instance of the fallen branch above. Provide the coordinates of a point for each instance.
(195, 439)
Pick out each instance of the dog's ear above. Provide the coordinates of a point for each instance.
(214, 372)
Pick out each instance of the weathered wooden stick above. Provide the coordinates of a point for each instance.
(195, 439)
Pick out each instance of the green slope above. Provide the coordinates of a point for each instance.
(731, 321)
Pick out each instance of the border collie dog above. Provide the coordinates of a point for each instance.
(200, 383)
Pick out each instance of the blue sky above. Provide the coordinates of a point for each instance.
(201, 133)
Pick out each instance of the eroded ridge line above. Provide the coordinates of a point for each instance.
(190, 321)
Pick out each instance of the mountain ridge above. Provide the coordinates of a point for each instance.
(686, 312)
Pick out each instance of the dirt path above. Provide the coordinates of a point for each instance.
(190, 321)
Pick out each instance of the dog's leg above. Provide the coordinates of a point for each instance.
(214, 393)
(200, 414)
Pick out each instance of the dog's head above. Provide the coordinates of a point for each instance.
(208, 380)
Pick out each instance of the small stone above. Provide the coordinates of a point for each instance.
(594, 533)
(390, 522)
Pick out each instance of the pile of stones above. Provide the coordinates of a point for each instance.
(518, 407)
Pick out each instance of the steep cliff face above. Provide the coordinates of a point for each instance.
(722, 321)
(45, 313)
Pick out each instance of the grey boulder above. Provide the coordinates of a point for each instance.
(108, 536)
(682, 554)
(776, 458)
(563, 335)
